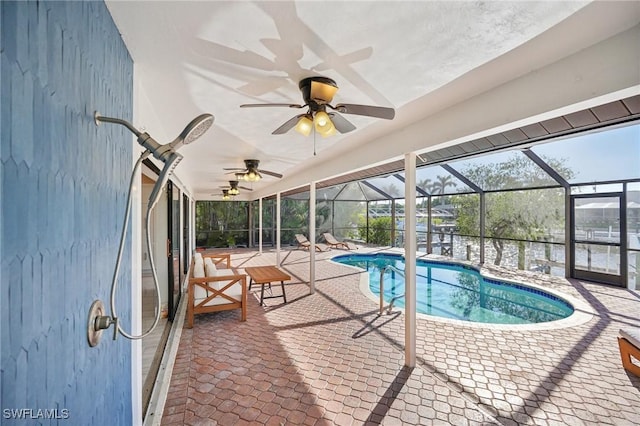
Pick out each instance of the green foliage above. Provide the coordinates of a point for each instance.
(379, 230)
(524, 214)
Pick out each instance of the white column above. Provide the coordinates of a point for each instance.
(410, 259)
(312, 237)
(278, 229)
(260, 225)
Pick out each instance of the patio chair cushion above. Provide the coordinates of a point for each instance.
(632, 336)
(212, 271)
(234, 291)
(198, 270)
(208, 263)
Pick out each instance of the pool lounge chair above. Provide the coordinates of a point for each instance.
(629, 343)
(331, 240)
(304, 243)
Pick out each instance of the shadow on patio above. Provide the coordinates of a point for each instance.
(328, 358)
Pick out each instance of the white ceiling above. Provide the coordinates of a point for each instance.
(195, 57)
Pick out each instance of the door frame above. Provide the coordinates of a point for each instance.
(173, 296)
(605, 278)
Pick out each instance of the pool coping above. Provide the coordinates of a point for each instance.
(582, 311)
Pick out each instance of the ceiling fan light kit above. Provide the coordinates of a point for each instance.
(305, 125)
(323, 124)
(252, 176)
(234, 187)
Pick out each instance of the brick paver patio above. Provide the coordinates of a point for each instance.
(328, 358)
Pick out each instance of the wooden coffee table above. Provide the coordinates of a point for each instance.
(266, 275)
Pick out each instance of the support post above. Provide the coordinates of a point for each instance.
(278, 229)
(410, 259)
(312, 237)
(483, 212)
(260, 224)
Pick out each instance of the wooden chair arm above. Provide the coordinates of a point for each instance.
(220, 258)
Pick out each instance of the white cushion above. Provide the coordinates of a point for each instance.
(234, 291)
(198, 270)
(209, 261)
(211, 270)
(199, 293)
(197, 256)
(632, 335)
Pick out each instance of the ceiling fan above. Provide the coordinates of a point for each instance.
(251, 172)
(233, 188)
(318, 93)
(225, 195)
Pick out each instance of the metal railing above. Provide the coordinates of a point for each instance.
(393, 299)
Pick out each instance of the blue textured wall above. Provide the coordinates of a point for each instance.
(64, 183)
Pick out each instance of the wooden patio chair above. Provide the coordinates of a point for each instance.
(629, 343)
(212, 290)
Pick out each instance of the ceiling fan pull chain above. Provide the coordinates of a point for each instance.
(314, 141)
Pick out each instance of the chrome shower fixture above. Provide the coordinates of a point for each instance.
(98, 320)
(196, 128)
(167, 152)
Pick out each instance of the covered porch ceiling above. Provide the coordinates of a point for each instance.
(455, 72)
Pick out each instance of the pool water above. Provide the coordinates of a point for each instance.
(460, 292)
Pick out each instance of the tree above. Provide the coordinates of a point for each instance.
(517, 215)
(379, 231)
(442, 183)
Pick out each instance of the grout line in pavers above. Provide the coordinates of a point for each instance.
(463, 394)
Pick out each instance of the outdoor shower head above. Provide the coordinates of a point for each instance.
(167, 152)
(196, 128)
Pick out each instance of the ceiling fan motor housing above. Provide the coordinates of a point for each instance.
(251, 164)
(315, 101)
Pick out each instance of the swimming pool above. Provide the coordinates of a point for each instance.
(457, 291)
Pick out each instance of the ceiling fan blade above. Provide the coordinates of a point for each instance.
(288, 125)
(267, 172)
(234, 168)
(245, 188)
(271, 105)
(368, 110)
(342, 124)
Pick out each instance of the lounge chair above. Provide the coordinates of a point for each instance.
(331, 240)
(629, 343)
(304, 243)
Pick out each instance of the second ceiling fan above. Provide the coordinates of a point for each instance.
(234, 186)
(318, 93)
(251, 172)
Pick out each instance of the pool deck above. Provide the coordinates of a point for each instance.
(328, 358)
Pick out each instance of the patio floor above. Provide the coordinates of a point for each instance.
(328, 358)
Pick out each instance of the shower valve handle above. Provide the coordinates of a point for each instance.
(115, 321)
(104, 322)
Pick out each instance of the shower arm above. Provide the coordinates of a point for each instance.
(159, 151)
(99, 118)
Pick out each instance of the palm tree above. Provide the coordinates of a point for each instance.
(425, 185)
(441, 184)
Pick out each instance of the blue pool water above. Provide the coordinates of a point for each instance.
(460, 292)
